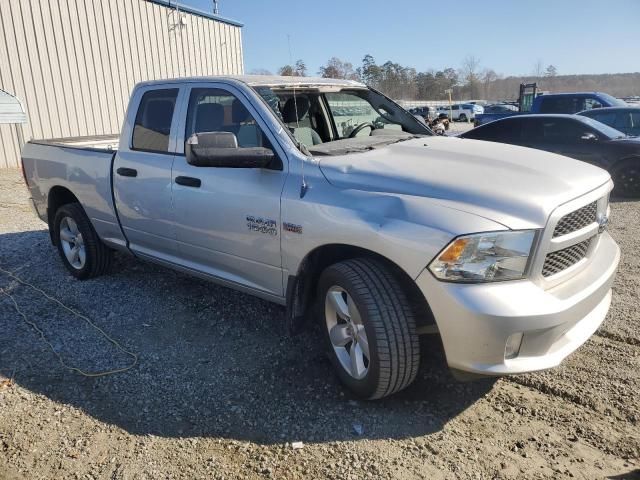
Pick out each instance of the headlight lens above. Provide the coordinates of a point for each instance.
(485, 257)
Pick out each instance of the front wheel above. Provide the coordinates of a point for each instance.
(626, 178)
(369, 328)
(462, 117)
(80, 248)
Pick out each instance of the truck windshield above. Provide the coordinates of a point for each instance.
(615, 102)
(317, 118)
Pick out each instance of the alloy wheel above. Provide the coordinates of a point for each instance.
(347, 332)
(72, 243)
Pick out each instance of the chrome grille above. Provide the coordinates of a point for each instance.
(556, 262)
(576, 220)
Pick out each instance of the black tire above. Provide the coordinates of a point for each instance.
(462, 117)
(388, 321)
(626, 178)
(98, 255)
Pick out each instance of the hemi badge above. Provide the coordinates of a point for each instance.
(290, 227)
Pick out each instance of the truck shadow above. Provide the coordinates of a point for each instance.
(212, 362)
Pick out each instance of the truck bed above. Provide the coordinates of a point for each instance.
(97, 142)
(80, 166)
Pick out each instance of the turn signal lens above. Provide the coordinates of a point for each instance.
(454, 251)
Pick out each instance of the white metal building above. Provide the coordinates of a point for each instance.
(73, 63)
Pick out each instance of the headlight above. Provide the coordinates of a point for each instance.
(485, 257)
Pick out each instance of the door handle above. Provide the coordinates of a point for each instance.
(127, 172)
(189, 182)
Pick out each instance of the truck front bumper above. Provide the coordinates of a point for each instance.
(476, 322)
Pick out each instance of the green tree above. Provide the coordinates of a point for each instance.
(299, 69)
(336, 68)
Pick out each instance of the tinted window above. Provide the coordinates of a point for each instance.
(215, 110)
(606, 118)
(635, 124)
(508, 131)
(563, 131)
(626, 122)
(153, 120)
(561, 105)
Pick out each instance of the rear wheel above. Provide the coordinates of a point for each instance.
(462, 117)
(80, 248)
(369, 328)
(626, 178)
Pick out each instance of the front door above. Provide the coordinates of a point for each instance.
(573, 139)
(228, 219)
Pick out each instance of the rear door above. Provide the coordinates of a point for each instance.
(142, 171)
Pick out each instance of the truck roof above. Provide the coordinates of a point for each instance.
(573, 94)
(265, 81)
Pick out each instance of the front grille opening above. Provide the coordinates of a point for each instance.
(576, 220)
(559, 261)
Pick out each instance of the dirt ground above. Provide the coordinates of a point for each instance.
(220, 392)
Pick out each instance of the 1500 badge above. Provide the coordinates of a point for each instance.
(262, 225)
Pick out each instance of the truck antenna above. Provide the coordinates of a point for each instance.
(304, 187)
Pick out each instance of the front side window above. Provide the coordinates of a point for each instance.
(152, 126)
(591, 103)
(216, 110)
(563, 131)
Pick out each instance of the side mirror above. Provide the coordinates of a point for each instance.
(589, 137)
(220, 149)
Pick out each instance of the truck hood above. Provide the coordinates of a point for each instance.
(514, 186)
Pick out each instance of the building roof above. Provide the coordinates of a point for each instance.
(268, 81)
(11, 109)
(196, 11)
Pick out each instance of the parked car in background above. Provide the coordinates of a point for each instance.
(625, 119)
(574, 136)
(380, 232)
(462, 112)
(500, 108)
(557, 103)
(428, 113)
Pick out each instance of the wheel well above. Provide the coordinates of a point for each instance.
(301, 289)
(58, 196)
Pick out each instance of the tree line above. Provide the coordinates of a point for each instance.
(469, 81)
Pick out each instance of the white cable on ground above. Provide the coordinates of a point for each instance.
(75, 313)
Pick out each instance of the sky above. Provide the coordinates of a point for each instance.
(509, 36)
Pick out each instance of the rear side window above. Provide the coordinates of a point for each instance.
(153, 121)
(507, 131)
(564, 104)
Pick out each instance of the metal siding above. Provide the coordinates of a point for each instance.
(73, 63)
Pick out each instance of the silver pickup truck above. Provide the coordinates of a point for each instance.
(327, 197)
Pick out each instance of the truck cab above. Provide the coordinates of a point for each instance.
(567, 103)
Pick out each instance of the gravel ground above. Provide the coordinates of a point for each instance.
(219, 390)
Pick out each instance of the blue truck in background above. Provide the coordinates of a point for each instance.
(532, 102)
